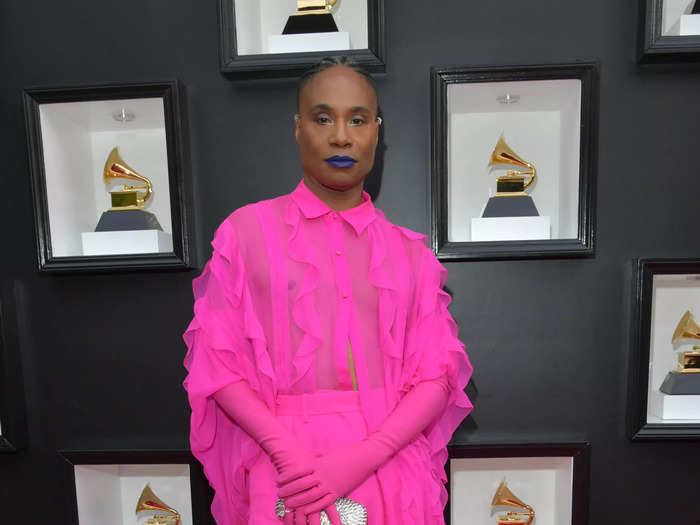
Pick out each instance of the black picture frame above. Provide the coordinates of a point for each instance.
(292, 64)
(580, 452)
(639, 429)
(172, 93)
(201, 492)
(654, 47)
(13, 430)
(581, 246)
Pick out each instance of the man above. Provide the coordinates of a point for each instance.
(322, 360)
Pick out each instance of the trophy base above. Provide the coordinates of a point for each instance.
(297, 24)
(127, 220)
(505, 206)
(678, 383)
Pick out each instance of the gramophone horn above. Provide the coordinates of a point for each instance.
(503, 154)
(149, 501)
(687, 328)
(116, 168)
(504, 496)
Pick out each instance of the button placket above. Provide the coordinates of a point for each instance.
(344, 306)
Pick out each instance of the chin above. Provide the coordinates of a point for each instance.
(340, 180)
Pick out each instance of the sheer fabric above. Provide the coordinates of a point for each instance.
(290, 284)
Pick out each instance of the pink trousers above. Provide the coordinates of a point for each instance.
(322, 420)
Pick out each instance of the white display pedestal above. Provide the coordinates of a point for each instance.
(126, 242)
(690, 25)
(511, 228)
(667, 406)
(308, 42)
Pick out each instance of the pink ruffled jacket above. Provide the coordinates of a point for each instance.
(290, 282)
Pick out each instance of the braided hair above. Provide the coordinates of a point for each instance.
(329, 62)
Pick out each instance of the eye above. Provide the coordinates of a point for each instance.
(357, 121)
(323, 119)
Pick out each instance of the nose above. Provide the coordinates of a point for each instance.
(340, 136)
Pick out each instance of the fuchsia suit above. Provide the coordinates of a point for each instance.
(290, 282)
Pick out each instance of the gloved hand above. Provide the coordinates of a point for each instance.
(243, 405)
(341, 470)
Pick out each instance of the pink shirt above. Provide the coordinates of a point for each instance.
(289, 284)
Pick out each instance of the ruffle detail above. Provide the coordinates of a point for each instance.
(433, 351)
(226, 343)
(387, 291)
(304, 310)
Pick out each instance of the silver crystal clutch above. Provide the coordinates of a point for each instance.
(351, 512)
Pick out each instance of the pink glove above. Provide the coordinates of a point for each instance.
(341, 470)
(244, 406)
(291, 460)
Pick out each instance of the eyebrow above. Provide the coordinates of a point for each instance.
(326, 107)
(323, 107)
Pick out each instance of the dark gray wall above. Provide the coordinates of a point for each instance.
(548, 339)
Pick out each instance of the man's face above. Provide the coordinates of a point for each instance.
(337, 129)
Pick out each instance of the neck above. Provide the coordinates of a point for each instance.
(338, 200)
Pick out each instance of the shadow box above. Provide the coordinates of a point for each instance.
(133, 487)
(545, 484)
(107, 168)
(664, 393)
(670, 31)
(513, 161)
(12, 404)
(282, 38)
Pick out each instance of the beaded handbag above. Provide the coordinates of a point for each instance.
(351, 512)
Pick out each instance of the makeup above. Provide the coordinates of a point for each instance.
(338, 161)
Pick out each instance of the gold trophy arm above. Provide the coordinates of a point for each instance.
(141, 198)
(149, 191)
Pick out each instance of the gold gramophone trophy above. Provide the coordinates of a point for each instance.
(312, 16)
(685, 379)
(504, 496)
(150, 502)
(510, 199)
(127, 211)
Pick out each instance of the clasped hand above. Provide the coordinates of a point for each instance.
(314, 487)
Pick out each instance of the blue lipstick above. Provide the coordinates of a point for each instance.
(341, 162)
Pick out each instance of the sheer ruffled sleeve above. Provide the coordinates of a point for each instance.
(225, 344)
(433, 351)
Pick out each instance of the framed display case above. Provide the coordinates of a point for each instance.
(544, 483)
(670, 30)
(124, 487)
(513, 161)
(281, 38)
(664, 393)
(12, 404)
(107, 168)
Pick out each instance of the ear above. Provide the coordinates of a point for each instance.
(297, 124)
